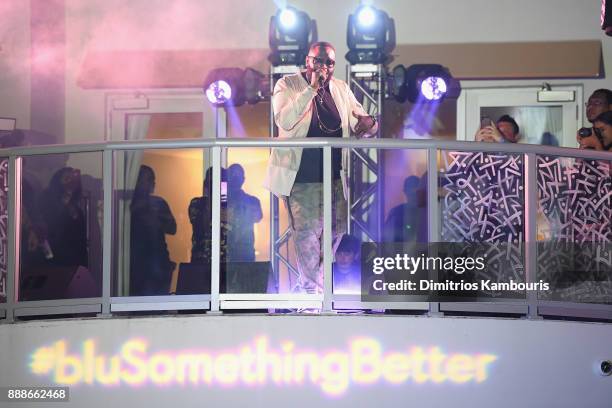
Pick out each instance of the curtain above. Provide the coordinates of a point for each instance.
(536, 121)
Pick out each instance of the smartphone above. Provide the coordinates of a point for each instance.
(224, 191)
(585, 132)
(485, 121)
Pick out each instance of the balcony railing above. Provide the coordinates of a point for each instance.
(558, 195)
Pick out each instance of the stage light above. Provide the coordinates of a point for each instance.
(425, 82)
(235, 86)
(287, 18)
(370, 36)
(433, 88)
(366, 17)
(219, 92)
(224, 86)
(291, 33)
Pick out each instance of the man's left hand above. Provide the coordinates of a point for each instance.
(364, 124)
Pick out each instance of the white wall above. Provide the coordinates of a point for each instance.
(150, 25)
(197, 24)
(14, 61)
(529, 363)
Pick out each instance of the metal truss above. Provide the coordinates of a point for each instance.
(279, 241)
(366, 171)
(366, 196)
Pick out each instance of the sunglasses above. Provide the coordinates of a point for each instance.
(594, 103)
(319, 61)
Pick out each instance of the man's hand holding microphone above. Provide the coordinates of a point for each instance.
(318, 78)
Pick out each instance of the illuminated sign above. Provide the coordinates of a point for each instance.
(258, 364)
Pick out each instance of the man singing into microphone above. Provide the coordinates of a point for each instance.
(313, 103)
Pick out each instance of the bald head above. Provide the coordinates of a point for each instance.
(320, 44)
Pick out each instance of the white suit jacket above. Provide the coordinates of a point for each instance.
(292, 106)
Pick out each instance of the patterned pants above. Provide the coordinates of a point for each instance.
(305, 207)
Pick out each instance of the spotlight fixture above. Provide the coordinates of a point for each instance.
(219, 92)
(287, 18)
(291, 33)
(366, 17)
(256, 86)
(370, 36)
(422, 82)
(224, 86)
(433, 88)
(235, 86)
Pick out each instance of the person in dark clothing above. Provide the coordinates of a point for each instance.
(244, 212)
(62, 214)
(347, 268)
(401, 223)
(151, 219)
(599, 103)
(200, 216)
(602, 126)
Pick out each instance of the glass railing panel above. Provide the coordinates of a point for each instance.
(61, 226)
(482, 213)
(280, 250)
(162, 223)
(246, 232)
(4, 184)
(388, 216)
(574, 229)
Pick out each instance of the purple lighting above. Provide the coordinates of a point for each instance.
(219, 92)
(433, 88)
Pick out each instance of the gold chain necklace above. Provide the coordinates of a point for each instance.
(322, 126)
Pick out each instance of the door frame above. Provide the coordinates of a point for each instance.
(472, 99)
(119, 105)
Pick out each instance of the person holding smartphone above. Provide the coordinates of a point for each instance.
(599, 102)
(505, 130)
(602, 127)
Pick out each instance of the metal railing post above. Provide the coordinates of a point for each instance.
(14, 234)
(216, 230)
(433, 212)
(327, 229)
(530, 212)
(107, 237)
